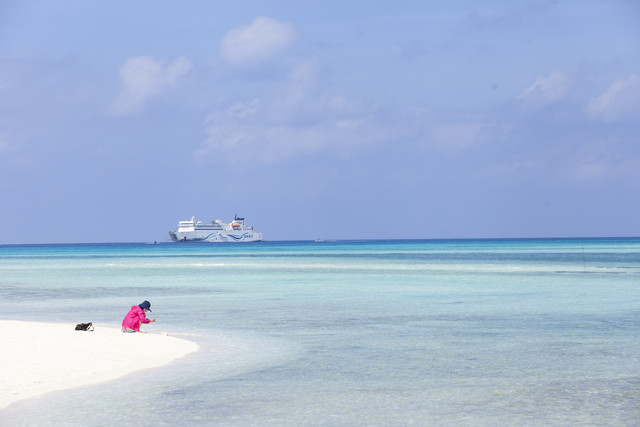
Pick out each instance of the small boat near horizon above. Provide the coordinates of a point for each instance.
(215, 231)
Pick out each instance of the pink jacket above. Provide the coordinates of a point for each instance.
(134, 318)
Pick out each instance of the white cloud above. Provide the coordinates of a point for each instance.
(454, 137)
(268, 143)
(306, 121)
(143, 78)
(238, 111)
(450, 134)
(262, 132)
(231, 127)
(618, 102)
(300, 93)
(299, 116)
(545, 89)
(256, 42)
(245, 128)
(296, 116)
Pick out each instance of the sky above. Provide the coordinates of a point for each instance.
(319, 120)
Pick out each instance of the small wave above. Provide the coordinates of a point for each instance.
(382, 267)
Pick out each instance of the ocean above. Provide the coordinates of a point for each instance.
(337, 333)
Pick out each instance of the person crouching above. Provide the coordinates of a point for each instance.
(136, 317)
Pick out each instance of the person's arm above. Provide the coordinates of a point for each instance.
(143, 318)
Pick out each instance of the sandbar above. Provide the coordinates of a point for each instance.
(38, 358)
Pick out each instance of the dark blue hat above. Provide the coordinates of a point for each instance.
(145, 304)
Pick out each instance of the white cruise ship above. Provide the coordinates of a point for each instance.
(215, 231)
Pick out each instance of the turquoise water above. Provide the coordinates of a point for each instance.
(477, 332)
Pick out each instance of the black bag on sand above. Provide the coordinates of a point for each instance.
(84, 327)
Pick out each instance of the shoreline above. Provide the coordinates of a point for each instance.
(40, 358)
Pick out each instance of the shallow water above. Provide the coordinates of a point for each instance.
(479, 332)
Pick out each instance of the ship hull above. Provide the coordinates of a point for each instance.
(215, 237)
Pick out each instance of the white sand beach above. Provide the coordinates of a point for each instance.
(38, 358)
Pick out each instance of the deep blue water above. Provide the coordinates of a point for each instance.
(462, 332)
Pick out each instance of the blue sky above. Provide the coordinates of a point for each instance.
(333, 120)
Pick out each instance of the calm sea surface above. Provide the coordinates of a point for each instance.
(464, 332)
